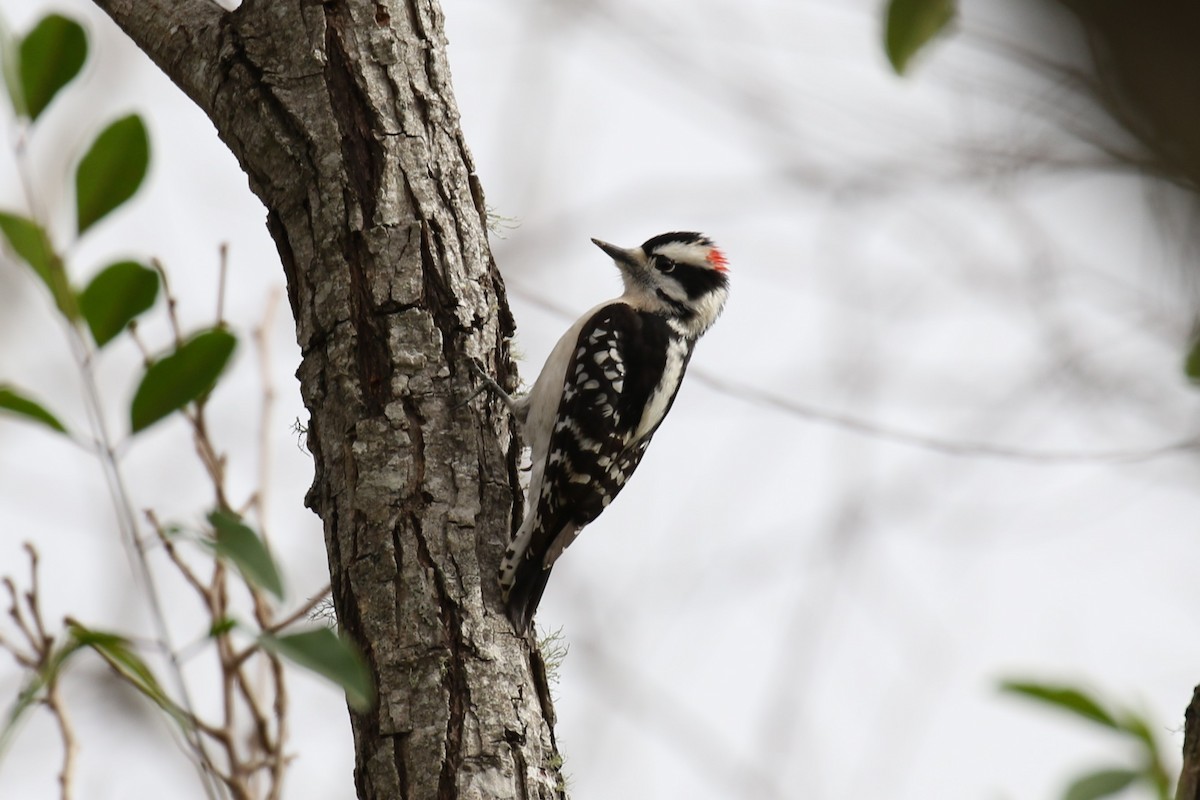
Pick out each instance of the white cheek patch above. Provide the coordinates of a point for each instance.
(709, 308)
(693, 254)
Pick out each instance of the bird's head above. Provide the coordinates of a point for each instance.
(681, 275)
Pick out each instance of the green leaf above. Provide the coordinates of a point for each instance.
(118, 653)
(32, 245)
(10, 66)
(1066, 698)
(51, 55)
(29, 242)
(328, 655)
(115, 297)
(222, 627)
(1101, 783)
(1191, 364)
(111, 170)
(1155, 771)
(1137, 727)
(911, 24)
(14, 402)
(185, 375)
(237, 543)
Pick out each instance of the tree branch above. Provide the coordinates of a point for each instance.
(180, 36)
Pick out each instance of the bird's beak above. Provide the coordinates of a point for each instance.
(632, 258)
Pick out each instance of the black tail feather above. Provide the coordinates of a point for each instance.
(528, 585)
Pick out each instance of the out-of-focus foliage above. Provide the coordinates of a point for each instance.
(50, 56)
(236, 542)
(31, 243)
(1150, 771)
(108, 175)
(912, 24)
(1191, 364)
(111, 171)
(14, 402)
(121, 655)
(325, 653)
(1145, 73)
(116, 296)
(185, 375)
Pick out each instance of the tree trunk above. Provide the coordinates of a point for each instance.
(342, 115)
(1189, 777)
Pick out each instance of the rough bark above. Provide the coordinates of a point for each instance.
(1189, 777)
(341, 113)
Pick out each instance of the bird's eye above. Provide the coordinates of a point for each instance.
(664, 264)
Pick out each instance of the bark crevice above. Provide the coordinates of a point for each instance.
(362, 152)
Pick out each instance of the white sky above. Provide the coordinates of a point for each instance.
(776, 606)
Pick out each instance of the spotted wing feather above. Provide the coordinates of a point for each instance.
(619, 360)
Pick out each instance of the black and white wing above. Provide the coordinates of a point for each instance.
(619, 384)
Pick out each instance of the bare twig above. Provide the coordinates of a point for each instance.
(222, 274)
(937, 444)
(31, 597)
(137, 340)
(241, 698)
(35, 648)
(106, 451)
(172, 303)
(14, 611)
(280, 759)
(249, 695)
(172, 552)
(135, 548)
(66, 733)
(262, 341)
(301, 612)
(39, 659)
(210, 457)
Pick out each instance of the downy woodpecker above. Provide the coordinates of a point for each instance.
(602, 394)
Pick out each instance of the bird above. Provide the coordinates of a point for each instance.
(600, 397)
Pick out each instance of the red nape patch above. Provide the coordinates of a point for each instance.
(717, 259)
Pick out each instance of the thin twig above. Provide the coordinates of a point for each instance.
(262, 342)
(262, 728)
(301, 612)
(213, 461)
(172, 303)
(128, 525)
(137, 340)
(937, 444)
(279, 760)
(172, 552)
(222, 274)
(39, 660)
(32, 597)
(240, 694)
(14, 611)
(84, 357)
(950, 447)
(66, 733)
(291, 619)
(262, 611)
